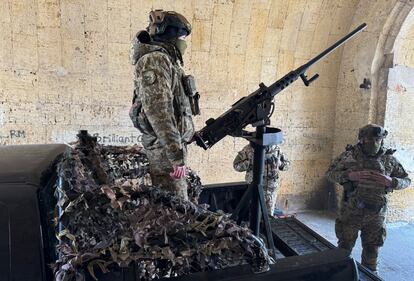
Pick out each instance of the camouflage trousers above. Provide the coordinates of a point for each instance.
(270, 194)
(373, 232)
(160, 169)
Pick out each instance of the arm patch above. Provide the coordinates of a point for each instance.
(148, 77)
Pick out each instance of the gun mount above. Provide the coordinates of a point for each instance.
(256, 110)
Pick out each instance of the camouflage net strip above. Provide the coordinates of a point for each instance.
(110, 217)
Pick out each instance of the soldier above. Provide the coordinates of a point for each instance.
(368, 172)
(164, 98)
(275, 160)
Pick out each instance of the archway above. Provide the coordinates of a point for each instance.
(399, 108)
(365, 67)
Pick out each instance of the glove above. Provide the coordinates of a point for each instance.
(356, 175)
(378, 179)
(179, 172)
(370, 177)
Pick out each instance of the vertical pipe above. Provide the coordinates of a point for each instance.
(258, 168)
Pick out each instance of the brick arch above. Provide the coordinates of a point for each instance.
(403, 44)
(368, 57)
(364, 73)
(400, 17)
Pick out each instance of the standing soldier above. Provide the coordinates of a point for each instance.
(368, 172)
(164, 98)
(275, 160)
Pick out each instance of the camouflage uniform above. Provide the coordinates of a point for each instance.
(161, 110)
(364, 205)
(275, 160)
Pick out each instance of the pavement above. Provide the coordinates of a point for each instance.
(396, 262)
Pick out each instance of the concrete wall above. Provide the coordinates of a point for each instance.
(64, 67)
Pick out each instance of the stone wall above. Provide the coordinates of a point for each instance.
(64, 67)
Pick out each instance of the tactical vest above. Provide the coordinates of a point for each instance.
(185, 101)
(270, 173)
(365, 196)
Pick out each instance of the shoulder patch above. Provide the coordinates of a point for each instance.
(148, 77)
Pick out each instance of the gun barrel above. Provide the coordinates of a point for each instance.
(341, 41)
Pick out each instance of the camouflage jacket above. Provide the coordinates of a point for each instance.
(275, 161)
(353, 159)
(161, 109)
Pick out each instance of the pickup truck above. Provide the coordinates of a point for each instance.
(27, 238)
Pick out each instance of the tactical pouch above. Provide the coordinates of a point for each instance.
(138, 117)
(192, 93)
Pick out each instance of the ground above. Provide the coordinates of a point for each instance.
(397, 255)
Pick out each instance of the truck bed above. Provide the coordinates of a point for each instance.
(26, 245)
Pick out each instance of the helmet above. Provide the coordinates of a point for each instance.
(372, 130)
(167, 25)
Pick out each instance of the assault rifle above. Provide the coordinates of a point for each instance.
(257, 108)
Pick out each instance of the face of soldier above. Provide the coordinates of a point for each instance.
(181, 44)
(371, 145)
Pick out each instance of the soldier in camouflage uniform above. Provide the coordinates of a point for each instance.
(368, 173)
(275, 161)
(162, 108)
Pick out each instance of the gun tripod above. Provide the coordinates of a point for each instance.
(254, 195)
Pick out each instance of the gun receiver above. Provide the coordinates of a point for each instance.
(257, 108)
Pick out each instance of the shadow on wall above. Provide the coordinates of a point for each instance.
(322, 198)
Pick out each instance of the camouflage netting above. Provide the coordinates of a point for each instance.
(111, 217)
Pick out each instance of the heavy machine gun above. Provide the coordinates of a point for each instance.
(256, 110)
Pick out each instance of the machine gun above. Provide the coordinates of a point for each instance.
(256, 110)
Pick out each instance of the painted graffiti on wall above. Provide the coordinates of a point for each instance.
(117, 139)
(11, 135)
(103, 137)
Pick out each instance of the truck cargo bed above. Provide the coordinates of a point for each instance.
(291, 236)
(27, 247)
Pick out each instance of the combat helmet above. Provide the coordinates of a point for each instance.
(165, 25)
(372, 130)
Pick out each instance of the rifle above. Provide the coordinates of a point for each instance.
(257, 108)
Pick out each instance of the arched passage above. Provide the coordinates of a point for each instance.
(365, 71)
(399, 108)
